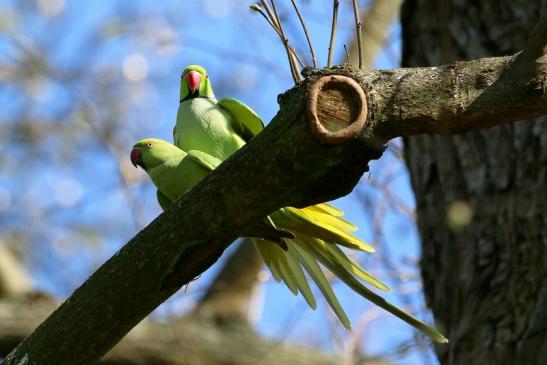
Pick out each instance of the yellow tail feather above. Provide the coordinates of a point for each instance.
(327, 209)
(313, 269)
(298, 220)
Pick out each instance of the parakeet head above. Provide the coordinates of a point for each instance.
(151, 152)
(194, 83)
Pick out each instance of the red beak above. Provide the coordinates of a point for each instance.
(193, 78)
(136, 158)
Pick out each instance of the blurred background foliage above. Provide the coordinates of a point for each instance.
(80, 82)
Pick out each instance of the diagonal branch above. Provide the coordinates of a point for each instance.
(293, 170)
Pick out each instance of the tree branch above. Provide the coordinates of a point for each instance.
(462, 96)
(293, 170)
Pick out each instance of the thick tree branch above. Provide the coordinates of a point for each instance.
(462, 96)
(293, 170)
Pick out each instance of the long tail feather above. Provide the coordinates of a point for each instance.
(313, 269)
(286, 267)
(298, 220)
(301, 281)
(353, 283)
(353, 267)
(327, 209)
(263, 248)
(327, 219)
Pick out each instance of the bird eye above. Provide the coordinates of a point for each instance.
(149, 144)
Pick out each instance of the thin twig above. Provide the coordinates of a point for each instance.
(293, 59)
(308, 38)
(358, 29)
(269, 11)
(258, 9)
(347, 54)
(333, 31)
(293, 51)
(274, 22)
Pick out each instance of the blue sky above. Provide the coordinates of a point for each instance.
(244, 60)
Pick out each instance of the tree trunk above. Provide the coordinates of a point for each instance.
(486, 280)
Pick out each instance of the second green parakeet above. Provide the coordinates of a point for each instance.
(174, 171)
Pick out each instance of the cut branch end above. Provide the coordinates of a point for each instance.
(337, 109)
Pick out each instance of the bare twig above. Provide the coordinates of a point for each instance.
(308, 38)
(258, 9)
(375, 33)
(358, 30)
(333, 31)
(275, 27)
(270, 12)
(274, 21)
(293, 59)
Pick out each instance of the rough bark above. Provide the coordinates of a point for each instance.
(293, 170)
(485, 282)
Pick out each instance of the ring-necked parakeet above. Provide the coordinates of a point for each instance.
(317, 230)
(174, 171)
(217, 127)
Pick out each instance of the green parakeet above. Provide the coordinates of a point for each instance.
(316, 231)
(218, 128)
(174, 171)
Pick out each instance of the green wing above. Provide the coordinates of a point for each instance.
(164, 201)
(246, 122)
(204, 159)
(313, 246)
(317, 275)
(286, 266)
